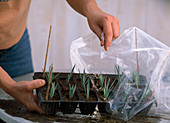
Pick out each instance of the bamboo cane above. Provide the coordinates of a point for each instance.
(47, 51)
(96, 89)
(163, 67)
(137, 56)
(49, 82)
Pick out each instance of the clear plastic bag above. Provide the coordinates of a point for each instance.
(138, 55)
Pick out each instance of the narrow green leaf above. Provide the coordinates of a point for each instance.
(74, 89)
(73, 68)
(84, 78)
(69, 76)
(112, 84)
(88, 88)
(105, 81)
(104, 90)
(107, 86)
(101, 79)
(118, 74)
(56, 76)
(71, 91)
(135, 77)
(107, 89)
(52, 90)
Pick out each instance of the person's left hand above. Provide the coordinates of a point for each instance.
(99, 22)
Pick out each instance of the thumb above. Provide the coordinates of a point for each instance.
(36, 84)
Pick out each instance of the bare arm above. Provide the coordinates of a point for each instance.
(83, 6)
(98, 20)
(21, 91)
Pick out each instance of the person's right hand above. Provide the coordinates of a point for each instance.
(23, 92)
(99, 22)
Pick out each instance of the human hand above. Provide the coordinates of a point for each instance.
(23, 92)
(99, 22)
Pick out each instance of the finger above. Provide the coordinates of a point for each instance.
(98, 31)
(108, 34)
(102, 39)
(115, 28)
(35, 98)
(35, 84)
(38, 108)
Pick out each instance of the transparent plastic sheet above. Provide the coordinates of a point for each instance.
(137, 54)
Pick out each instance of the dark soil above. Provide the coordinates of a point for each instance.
(78, 84)
(43, 91)
(62, 80)
(92, 96)
(14, 108)
(65, 95)
(63, 85)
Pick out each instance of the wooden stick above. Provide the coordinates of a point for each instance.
(47, 51)
(163, 67)
(49, 82)
(96, 89)
(137, 56)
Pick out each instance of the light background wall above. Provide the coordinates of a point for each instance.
(152, 16)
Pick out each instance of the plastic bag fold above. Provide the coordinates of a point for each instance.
(137, 54)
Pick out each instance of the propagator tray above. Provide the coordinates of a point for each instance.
(50, 107)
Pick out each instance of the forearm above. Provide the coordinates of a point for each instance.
(6, 82)
(84, 7)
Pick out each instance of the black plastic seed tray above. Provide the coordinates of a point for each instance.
(86, 107)
(67, 107)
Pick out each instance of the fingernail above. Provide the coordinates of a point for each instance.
(107, 48)
(101, 42)
(42, 82)
(42, 113)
